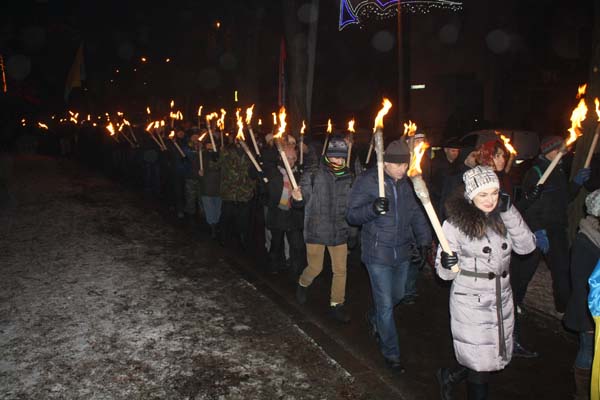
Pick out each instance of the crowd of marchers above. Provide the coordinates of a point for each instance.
(497, 239)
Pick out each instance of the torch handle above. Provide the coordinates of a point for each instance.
(286, 164)
(590, 154)
(252, 159)
(254, 141)
(325, 145)
(164, 146)
(349, 153)
(509, 163)
(552, 165)
(212, 140)
(301, 149)
(132, 134)
(178, 149)
(155, 140)
(378, 144)
(200, 158)
(369, 153)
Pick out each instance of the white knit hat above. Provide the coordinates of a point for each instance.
(592, 203)
(478, 179)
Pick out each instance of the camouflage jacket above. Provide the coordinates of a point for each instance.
(236, 182)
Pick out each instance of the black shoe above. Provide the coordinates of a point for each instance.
(301, 294)
(447, 380)
(394, 365)
(338, 312)
(477, 391)
(521, 352)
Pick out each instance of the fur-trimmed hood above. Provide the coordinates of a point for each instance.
(469, 219)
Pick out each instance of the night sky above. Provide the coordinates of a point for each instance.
(511, 64)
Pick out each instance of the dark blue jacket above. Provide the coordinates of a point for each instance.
(387, 239)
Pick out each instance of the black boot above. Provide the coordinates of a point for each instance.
(448, 379)
(477, 391)
(521, 352)
(301, 294)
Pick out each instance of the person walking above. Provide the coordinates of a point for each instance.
(391, 225)
(323, 192)
(481, 232)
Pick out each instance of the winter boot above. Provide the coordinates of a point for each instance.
(339, 313)
(448, 379)
(582, 383)
(477, 391)
(520, 351)
(301, 293)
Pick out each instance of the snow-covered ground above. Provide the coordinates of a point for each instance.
(100, 299)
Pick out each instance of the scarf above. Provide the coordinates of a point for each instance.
(286, 192)
(590, 227)
(337, 170)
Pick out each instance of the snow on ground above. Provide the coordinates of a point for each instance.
(101, 299)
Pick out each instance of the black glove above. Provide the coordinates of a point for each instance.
(381, 205)
(449, 260)
(535, 193)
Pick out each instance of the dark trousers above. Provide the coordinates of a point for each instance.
(235, 221)
(277, 253)
(522, 269)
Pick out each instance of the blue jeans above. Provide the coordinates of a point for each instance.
(585, 354)
(387, 285)
(212, 209)
(411, 280)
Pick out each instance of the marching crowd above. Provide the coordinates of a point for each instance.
(497, 239)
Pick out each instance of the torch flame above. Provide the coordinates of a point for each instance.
(303, 128)
(597, 108)
(329, 126)
(274, 118)
(240, 124)
(126, 122)
(577, 116)
(249, 114)
(384, 110)
(507, 144)
(201, 138)
(172, 115)
(221, 121)
(210, 116)
(260, 122)
(179, 115)
(200, 111)
(155, 123)
(351, 126)
(172, 103)
(119, 114)
(111, 129)
(148, 110)
(162, 123)
(410, 129)
(43, 126)
(581, 91)
(415, 162)
(172, 135)
(282, 123)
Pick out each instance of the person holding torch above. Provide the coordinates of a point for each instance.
(390, 227)
(323, 192)
(481, 232)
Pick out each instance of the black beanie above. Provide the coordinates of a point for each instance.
(337, 146)
(397, 152)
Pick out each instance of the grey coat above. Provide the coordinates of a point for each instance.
(476, 330)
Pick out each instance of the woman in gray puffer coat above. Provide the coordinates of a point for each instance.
(481, 232)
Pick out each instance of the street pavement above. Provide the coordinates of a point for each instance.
(105, 295)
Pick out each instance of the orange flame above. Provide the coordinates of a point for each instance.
(597, 108)
(240, 125)
(507, 144)
(111, 129)
(415, 161)
(172, 115)
(249, 114)
(119, 114)
(274, 118)
(179, 115)
(410, 129)
(577, 116)
(351, 126)
(126, 122)
(210, 116)
(162, 123)
(329, 126)
(151, 124)
(303, 128)
(148, 110)
(581, 91)
(221, 121)
(259, 122)
(200, 111)
(172, 103)
(172, 135)
(201, 138)
(43, 126)
(384, 110)
(282, 123)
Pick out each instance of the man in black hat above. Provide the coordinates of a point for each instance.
(323, 192)
(391, 225)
